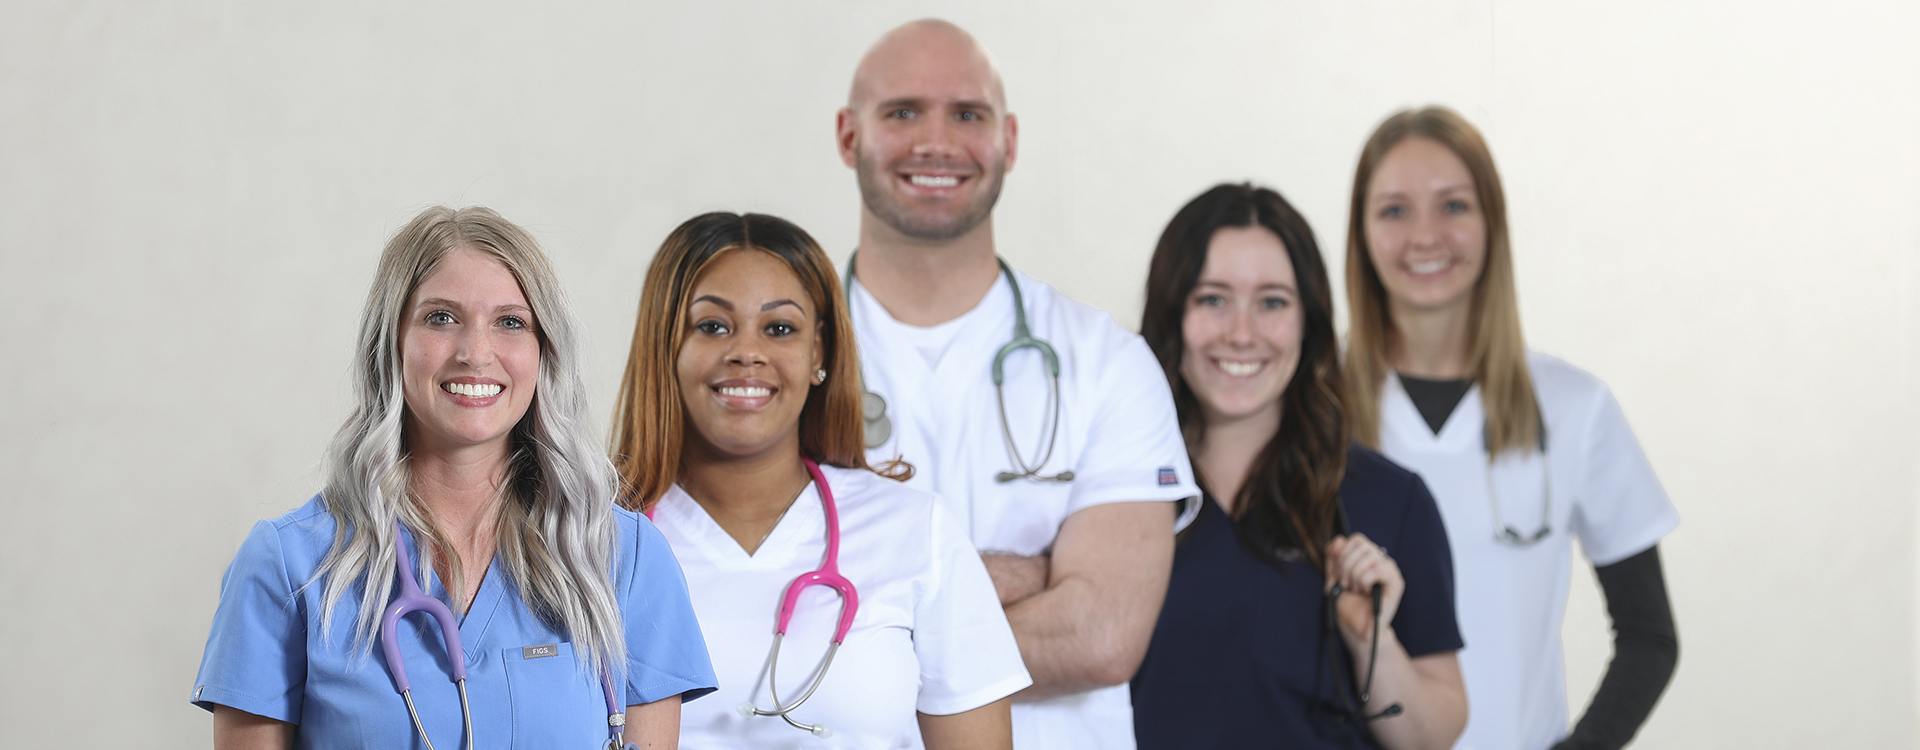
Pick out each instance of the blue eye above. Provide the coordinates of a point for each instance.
(1457, 206)
(440, 318)
(968, 115)
(513, 323)
(1209, 300)
(1276, 303)
(711, 327)
(902, 113)
(1392, 211)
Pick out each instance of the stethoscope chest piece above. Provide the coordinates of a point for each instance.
(873, 413)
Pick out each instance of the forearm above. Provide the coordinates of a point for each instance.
(234, 729)
(1015, 577)
(1106, 578)
(1646, 650)
(989, 727)
(654, 726)
(1433, 702)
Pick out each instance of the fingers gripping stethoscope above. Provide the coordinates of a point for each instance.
(1330, 626)
(828, 575)
(879, 427)
(409, 600)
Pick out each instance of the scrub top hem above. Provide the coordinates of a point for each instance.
(209, 696)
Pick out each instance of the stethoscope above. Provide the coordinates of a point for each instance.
(1357, 702)
(873, 407)
(1506, 533)
(828, 575)
(410, 600)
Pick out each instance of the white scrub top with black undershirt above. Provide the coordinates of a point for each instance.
(928, 637)
(1118, 434)
(267, 655)
(1511, 600)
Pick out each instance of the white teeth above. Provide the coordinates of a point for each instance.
(476, 390)
(746, 392)
(934, 181)
(1431, 266)
(1240, 369)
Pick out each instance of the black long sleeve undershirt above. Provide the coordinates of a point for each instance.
(1645, 651)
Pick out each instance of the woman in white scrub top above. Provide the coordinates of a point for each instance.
(742, 372)
(467, 452)
(1524, 453)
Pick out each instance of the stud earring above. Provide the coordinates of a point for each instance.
(819, 376)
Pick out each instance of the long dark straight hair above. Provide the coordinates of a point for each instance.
(1288, 502)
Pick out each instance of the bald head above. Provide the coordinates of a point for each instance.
(923, 54)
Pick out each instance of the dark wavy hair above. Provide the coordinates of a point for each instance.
(1288, 503)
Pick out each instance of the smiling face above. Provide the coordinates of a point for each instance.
(749, 356)
(1242, 326)
(1426, 234)
(469, 355)
(928, 133)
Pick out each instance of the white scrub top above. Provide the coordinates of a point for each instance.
(928, 637)
(1511, 600)
(266, 655)
(1119, 435)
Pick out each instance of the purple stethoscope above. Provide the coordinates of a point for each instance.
(827, 575)
(410, 600)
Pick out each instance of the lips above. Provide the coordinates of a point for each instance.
(474, 392)
(1432, 267)
(746, 395)
(934, 183)
(1240, 368)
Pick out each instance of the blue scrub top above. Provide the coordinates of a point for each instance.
(1235, 659)
(266, 655)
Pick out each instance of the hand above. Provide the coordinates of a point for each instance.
(1356, 563)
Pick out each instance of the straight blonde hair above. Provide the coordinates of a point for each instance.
(649, 420)
(1498, 352)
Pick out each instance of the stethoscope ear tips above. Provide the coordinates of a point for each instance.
(821, 732)
(745, 710)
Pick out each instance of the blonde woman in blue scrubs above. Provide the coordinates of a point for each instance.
(467, 452)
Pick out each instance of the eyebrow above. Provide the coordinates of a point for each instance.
(1263, 287)
(1388, 194)
(725, 305)
(442, 302)
(916, 102)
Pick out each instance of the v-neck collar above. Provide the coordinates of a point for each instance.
(691, 523)
(1462, 429)
(479, 614)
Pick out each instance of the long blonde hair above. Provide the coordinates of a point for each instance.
(649, 420)
(1498, 352)
(556, 527)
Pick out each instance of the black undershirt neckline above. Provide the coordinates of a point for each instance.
(1435, 399)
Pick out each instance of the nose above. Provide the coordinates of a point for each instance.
(1425, 231)
(475, 347)
(745, 352)
(934, 139)
(1240, 328)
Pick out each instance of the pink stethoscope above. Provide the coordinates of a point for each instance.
(410, 600)
(827, 575)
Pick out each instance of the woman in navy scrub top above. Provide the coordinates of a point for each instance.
(1246, 654)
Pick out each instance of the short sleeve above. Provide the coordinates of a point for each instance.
(1134, 449)
(256, 655)
(1426, 623)
(965, 647)
(666, 654)
(1619, 507)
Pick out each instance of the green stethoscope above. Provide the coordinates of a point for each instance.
(879, 428)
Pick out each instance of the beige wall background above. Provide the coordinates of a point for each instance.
(1713, 206)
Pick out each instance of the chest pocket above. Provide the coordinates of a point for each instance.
(553, 703)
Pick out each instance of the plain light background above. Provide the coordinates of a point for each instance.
(1713, 208)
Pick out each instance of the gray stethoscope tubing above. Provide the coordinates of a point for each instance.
(879, 427)
(1504, 532)
(783, 710)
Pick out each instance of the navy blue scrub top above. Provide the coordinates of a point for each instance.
(1233, 661)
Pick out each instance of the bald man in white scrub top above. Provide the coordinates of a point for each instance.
(1078, 538)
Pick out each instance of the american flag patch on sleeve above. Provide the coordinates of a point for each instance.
(1168, 477)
